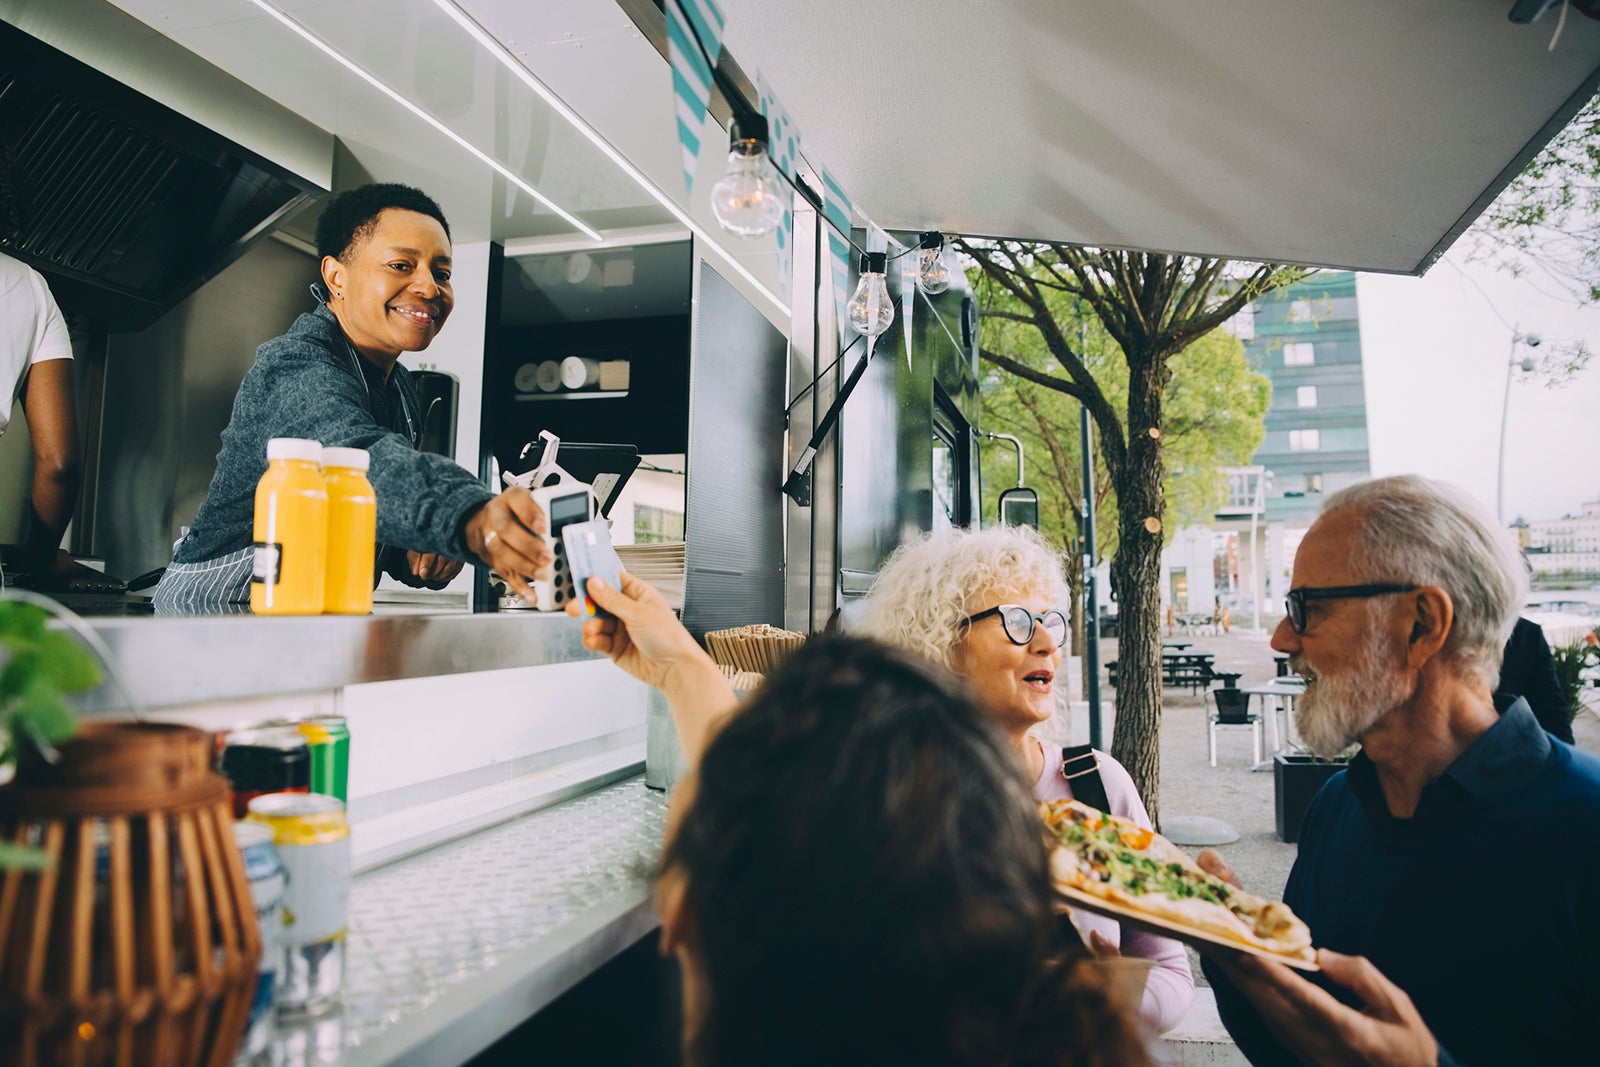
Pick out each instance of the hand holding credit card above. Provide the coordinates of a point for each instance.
(590, 555)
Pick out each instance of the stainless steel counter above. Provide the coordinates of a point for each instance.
(453, 948)
(170, 661)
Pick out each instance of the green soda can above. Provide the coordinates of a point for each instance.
(328, 737)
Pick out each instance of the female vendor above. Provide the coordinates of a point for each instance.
(335, 377)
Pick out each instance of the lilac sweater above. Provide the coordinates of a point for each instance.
(1171, 985)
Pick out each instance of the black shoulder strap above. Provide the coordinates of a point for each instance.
(1081, 768)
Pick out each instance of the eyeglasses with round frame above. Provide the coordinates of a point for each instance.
(1019, 623)
(1295, 602)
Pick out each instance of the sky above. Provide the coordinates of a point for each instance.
(1435, 353)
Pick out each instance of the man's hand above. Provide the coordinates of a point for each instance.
(646, 639)
(507, 534)
(432, 567)
(1317, 1028)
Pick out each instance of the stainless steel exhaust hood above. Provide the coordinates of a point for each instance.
(126, 204)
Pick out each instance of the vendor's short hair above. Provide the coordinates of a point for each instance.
(1418, 531)
(920, 597)
(350, 217)
(867, 881)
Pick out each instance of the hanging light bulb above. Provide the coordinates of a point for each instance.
(870, 311)
(932, 274)
(748, 199)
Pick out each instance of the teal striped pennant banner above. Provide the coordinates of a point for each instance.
(694, 41)
(837, 209)
(784, 146)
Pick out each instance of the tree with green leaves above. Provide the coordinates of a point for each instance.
(1046, 422)
(1545, 227)
(1214, 411)
(1546, 222)
(1153, 308)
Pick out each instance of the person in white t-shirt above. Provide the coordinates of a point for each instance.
(36, 366)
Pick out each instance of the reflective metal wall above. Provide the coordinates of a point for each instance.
(734, 557)
(905, 468)
(168, 394)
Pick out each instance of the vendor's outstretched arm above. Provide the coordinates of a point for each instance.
(646, 639)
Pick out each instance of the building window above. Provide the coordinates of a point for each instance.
(653, 525)
(1306, 395)
(944, 486)
(1305, 440)
(1313, 481)
(1299, 354)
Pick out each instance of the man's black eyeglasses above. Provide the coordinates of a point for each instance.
(1019, 622)
(1295, 602)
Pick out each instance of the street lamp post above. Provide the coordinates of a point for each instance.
(1525, 364)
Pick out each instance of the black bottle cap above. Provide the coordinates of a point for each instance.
(874, 262)
(747, 128)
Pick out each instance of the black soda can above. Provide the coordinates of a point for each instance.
(274, 759)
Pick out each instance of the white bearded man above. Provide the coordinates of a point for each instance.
(1457, 853)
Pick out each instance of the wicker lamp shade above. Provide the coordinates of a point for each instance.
(139, 946)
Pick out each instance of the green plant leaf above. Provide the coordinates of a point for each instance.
(41, 715)
(19, 672)
(1570, 661)
(67, 664)
(23, 858)
(21, 624)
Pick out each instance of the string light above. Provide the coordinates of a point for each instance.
(933, 275)
(870, 310)
(747, 200)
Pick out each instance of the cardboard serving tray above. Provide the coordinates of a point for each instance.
(1178, 931)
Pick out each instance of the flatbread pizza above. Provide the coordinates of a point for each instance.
(1112, 865)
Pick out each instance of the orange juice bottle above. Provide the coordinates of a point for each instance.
(291, 531)
(352, 531)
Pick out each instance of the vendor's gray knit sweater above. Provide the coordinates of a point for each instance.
(305, 384)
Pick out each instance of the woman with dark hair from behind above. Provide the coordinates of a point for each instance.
(857, 871)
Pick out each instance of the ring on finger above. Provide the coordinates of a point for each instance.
(490, 538)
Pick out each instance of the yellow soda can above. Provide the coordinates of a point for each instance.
(312, 836)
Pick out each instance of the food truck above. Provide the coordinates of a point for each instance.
(502, 827)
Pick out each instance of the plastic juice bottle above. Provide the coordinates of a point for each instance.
(291, 531)
(352, 531)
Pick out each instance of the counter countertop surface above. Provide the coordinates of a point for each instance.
(452, 948)
(177, 660)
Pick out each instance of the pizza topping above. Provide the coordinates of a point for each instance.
(1114, 850)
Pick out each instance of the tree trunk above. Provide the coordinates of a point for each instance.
(1136, 577)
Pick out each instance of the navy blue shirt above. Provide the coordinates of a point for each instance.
(1484, 906)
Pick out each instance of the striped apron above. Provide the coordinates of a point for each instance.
(211, 587)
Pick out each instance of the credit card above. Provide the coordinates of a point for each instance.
(590, 555)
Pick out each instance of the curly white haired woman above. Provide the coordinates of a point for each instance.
(991, 605)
